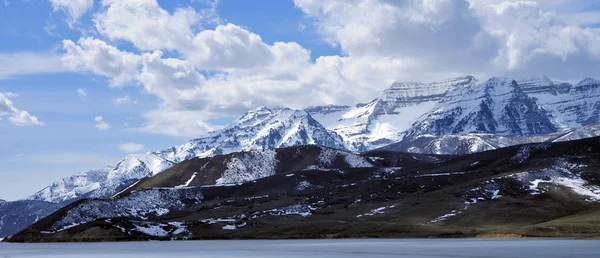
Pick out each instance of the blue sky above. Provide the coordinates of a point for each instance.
(159, 73)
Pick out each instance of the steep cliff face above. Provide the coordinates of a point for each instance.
(569, 105)
(497, 106)
(384, 119)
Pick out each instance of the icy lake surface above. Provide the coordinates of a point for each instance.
(419, 248)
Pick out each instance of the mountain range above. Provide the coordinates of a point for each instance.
(454, 117)
(534, 190)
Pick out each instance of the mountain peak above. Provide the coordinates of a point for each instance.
(255, 113)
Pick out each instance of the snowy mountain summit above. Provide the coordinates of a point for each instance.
(258, 129)
(261, 128)
(385, 119)
(498, 106)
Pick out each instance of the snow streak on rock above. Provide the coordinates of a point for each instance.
(249, 166)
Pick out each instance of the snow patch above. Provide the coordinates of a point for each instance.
(152, 229)
(249, 166)
(560, 175)
(188, 182)
(374, 212)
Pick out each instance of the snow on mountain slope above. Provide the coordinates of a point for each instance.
(103, 182)
(249, 166)
(259, 129)
(140, 204)
(460, 144)
(384, 120)
(543, 85)
(569, 105)
(131, 169)
(73, 187)
(497, 106)
(584, 103)
(452, 144)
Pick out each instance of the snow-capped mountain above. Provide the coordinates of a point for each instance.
(464, 112)
(259, 129)
(73, 187)
(430, 117)
(497, 106)
(384, 119)
(103, 182)
(455, 116)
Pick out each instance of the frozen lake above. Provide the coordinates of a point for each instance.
(419, 248)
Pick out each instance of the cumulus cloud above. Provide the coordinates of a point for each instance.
(96, 56)
(73, 8)
(16, 116)
(145, 24)
(100, 124)
(130, 147)
(481, 37)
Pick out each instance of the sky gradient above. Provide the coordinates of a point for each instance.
(85, 82)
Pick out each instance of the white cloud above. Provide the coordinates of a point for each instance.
(227, 47)
(14, 115)
(145, 24)
(100, 124)
(94, 55)
(130, 147)
(22, 63)
(493, 38)
(82, 94)
(123, 100)
(73, 8)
